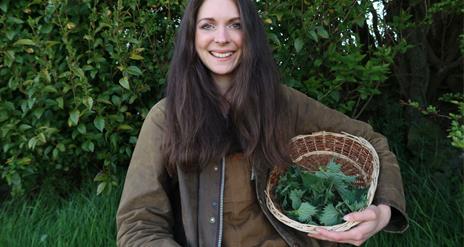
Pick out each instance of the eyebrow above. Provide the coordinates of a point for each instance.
(212, 19)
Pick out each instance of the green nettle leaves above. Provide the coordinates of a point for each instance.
(330, 215)
(319, 198)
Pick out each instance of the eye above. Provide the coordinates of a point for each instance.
(236, 25)
(207, 26)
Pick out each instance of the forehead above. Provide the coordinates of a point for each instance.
(218, 9)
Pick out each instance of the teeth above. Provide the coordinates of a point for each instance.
(221, 55)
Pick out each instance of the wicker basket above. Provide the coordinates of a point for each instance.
(355, 154)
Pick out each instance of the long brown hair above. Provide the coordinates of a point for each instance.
(197, 131)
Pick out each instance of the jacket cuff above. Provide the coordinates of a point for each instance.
(399, 221)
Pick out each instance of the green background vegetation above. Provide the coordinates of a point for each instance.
(78, 77)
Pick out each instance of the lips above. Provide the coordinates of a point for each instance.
(221, 54)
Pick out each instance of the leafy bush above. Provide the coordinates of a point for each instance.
(78, 77)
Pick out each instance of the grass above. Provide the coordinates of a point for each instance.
(434, 204)
(83, 219)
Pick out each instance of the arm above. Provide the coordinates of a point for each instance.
(144, 217)
(389, 213)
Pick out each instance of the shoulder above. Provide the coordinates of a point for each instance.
(296, 98)
(157, 113)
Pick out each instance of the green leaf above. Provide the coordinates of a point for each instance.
(298, 44)
(55, 153)
(330, 216)
(313, 35)
(322, 32)
(60, 102)
(274, 38)
(80, 73)
(82, 129)
(73, 118)
(101, 187)
(46, 29)
(10, 34)
(32, 143)
(24, 42)
(124, 82)
(49, 89)
(41, 137)
(124, 127)
(9, 58)
(99, 123)
(4, 6)
(46, 75)
(14, 20)
(100, 177)
(88, 146)
(88, 101)
(61, 147)
(306, 211)
(134, 70)
(135, 56)
(295, 197)
(24, 127)
(333, 167)
(310, 179)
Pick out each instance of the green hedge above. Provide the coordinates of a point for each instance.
(77, 78)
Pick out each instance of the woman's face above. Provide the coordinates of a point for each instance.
(218, 37)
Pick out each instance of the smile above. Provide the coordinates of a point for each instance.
(221, 55)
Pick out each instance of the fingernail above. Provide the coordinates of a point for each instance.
(347, 218)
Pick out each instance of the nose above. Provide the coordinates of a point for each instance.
(222, 35)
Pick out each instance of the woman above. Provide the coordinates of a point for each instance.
(199, 168)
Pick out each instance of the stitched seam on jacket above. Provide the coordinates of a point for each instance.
(221, 204)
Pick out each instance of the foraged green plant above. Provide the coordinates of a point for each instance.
(319, 198)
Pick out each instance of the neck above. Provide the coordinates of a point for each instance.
(223, 83)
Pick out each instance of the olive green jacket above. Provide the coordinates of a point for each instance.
(186, 210)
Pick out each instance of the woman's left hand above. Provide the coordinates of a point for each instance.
(373, 219)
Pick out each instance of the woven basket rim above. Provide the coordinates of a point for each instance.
(308, 228)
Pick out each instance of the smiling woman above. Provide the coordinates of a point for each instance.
(199, 170)
(218, 40)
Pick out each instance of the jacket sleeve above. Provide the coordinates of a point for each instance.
(144, 216)
(312, 116)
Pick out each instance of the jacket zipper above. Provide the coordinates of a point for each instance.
(221, 203)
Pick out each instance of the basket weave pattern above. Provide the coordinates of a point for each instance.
(355, 155)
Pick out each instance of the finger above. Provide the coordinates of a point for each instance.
(357, 243)
(359, 233)
(334, 236)
(368, 214)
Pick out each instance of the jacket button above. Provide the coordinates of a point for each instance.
(216, 168)
(212, 220)
(214, 204)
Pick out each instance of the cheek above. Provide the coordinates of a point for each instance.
(238, 39)
(201, 41)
